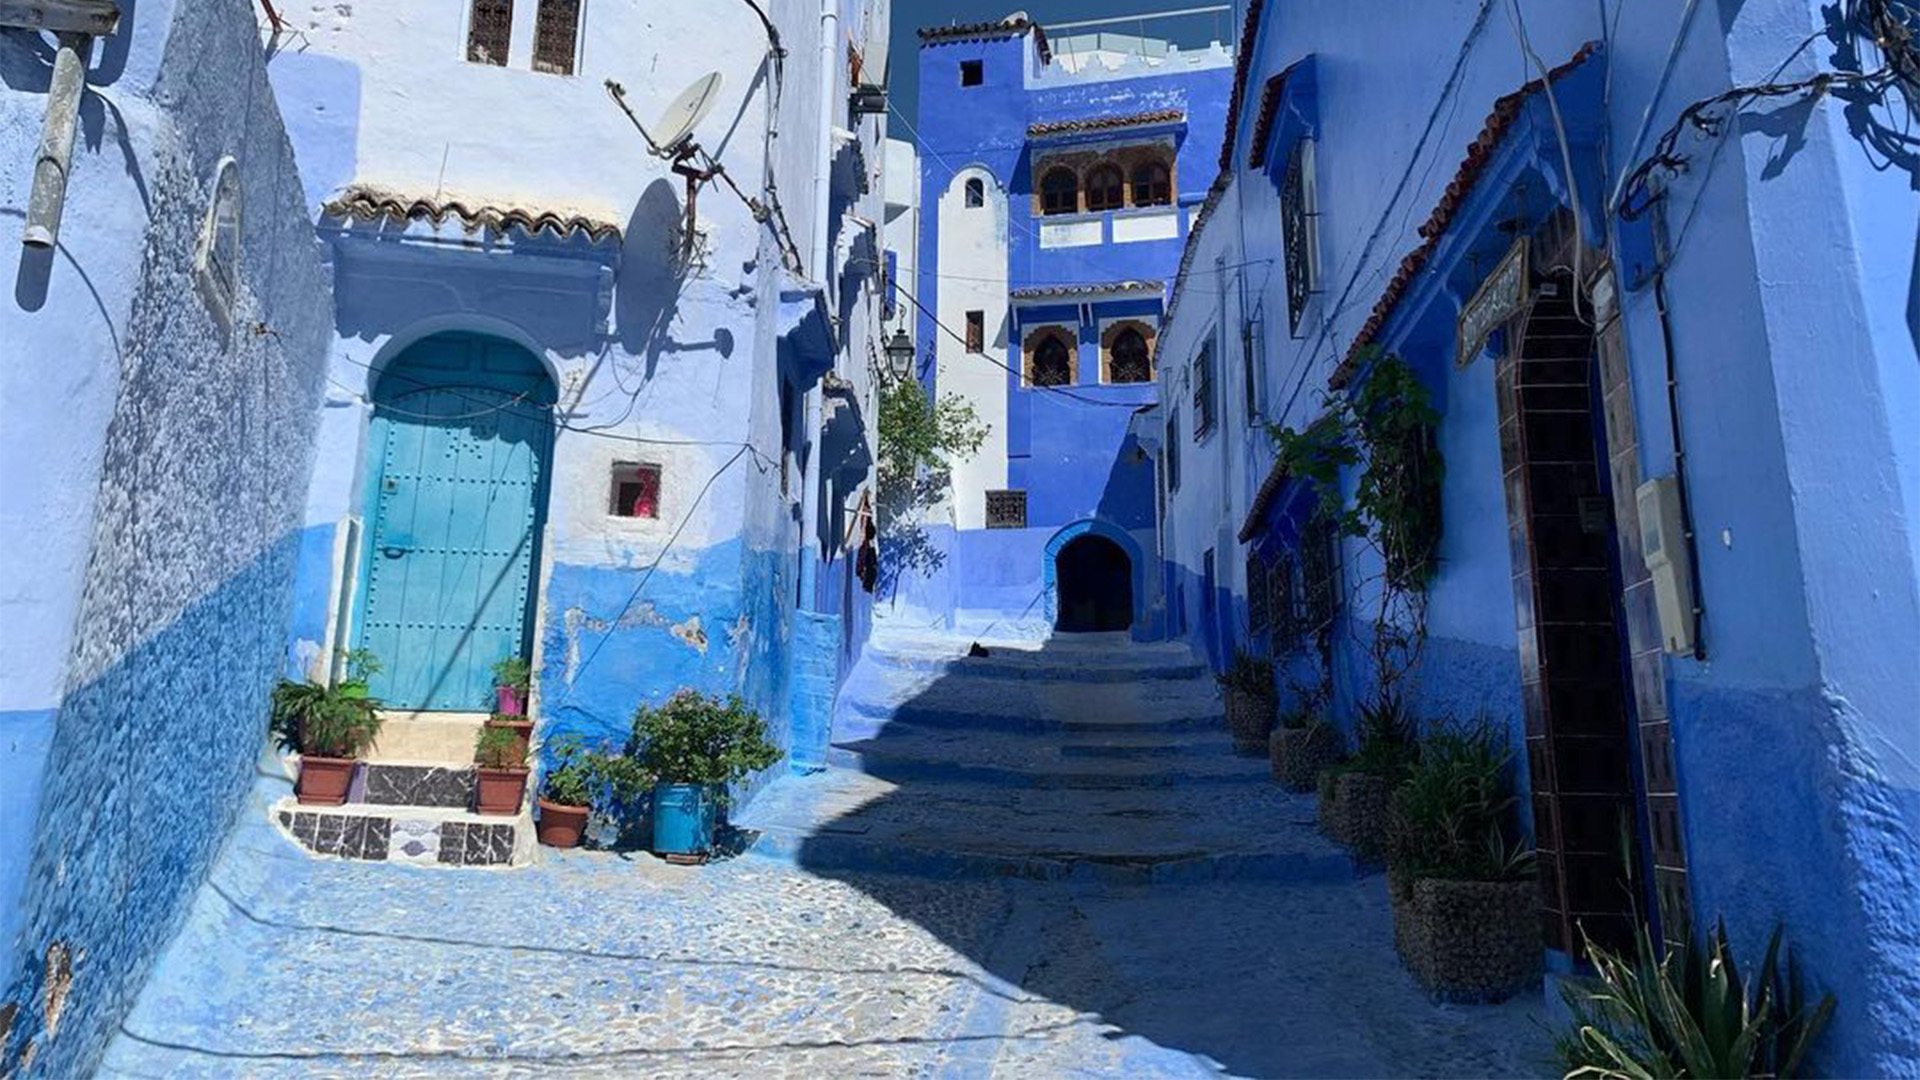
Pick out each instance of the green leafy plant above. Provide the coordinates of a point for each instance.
(583, 777)
(1248, 674)
(1451, 814)
(920, 438)
(1386, 730)
(513, 673)
(697, 739)
(1688, 1013)
(337, 721)
(499, 748)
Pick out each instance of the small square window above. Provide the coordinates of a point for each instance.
(976, 331)
(1006, 509)
(635, 490)
(972, 72)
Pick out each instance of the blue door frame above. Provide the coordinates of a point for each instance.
(458, 472)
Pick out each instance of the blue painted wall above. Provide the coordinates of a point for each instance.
(1794, 736)
(154, 604)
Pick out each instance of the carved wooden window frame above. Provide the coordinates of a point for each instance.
(1069, 339)
(1110, 334)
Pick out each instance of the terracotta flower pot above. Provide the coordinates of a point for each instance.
(1299, 754)
(1250, 719)
(508, 702)
(561, 826)
(323, 780)
(1472, 941)
(499, 791)
(522, 730)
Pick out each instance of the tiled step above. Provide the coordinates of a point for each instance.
(388, 784)
(428, 738)
(409, 834)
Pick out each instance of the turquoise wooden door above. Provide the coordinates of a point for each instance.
(461, 434)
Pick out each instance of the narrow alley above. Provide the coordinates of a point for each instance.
(1044, 862)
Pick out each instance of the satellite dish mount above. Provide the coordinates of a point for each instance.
(671, 139)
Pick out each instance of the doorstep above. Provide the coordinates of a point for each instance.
(420, 835)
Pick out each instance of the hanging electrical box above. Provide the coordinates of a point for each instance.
(1663, 543)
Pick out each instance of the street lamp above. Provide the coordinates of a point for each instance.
(900, 355)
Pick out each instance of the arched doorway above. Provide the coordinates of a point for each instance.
(458, 469)
(1094, 577)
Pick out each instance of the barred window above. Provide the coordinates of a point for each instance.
(1283, 601)
(1255, 369)
(1173, 452)
(1203, 392)
(1052, 363)
(1257, 595)
(489, 31)
(556, 34)
(1299, 232)
(1130, 361)
(976, 331)
(1006, 509)
(1320, 571)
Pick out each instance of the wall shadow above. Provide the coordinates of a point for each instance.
(997, 790)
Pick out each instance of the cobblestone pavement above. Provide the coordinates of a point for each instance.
(1126, 930)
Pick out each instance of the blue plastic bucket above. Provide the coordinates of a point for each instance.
(683, 819)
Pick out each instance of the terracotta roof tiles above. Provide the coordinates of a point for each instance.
(368, 204)
(1106, 123)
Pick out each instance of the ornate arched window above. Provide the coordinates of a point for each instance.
(1152, 184)
(1059, 191)
(1130, 360)
(1105, 188)
(976, 193)
(1052, 362)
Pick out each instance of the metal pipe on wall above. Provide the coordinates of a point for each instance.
(52, 164)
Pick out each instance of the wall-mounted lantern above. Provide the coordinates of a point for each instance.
(900, 353)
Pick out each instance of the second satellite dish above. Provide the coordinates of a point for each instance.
(676, 124)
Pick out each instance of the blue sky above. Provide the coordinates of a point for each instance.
(910, 15)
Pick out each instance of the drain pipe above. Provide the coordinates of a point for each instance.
(810, 549)
(50, 167)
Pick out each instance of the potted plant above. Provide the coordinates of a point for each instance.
(1465, 903)
(1354, 795)
(512, 686)
(1687, 1010)
(330, 727)
(520, 726)
(1248, 688)
(500, 771)
(577, 779)
(1301, 748)
(693, 746)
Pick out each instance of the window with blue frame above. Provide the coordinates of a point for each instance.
(1299, 232)
(1172, 453)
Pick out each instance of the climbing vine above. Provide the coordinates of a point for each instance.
(1384, 427)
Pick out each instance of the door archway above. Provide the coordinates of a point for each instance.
(1093, 577)
(458, 469)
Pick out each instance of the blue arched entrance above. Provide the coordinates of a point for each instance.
(1093, 578)
(458, 469)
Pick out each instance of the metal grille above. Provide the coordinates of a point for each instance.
(1320, 569)
(490, 32)
(1203, 392)
(976, 331)
(1130, 363)
(556, 30)
(1052, 364)
(1296, 226)
(1006, 509)
(1283, 602)
(1257, 597)
(1173, 453)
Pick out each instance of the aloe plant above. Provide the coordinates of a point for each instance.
(1688, 1013)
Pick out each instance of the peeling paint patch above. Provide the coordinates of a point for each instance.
(691, 633)
(58, 984)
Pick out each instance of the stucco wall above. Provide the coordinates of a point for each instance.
(182, 476)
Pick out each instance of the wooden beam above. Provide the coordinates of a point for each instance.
(95, 18)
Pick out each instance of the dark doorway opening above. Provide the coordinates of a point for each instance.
(1095, 582)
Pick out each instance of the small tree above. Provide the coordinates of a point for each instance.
(920, 439)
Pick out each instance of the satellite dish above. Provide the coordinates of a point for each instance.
(676, 124)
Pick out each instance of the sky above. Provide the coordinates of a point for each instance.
(910, 15)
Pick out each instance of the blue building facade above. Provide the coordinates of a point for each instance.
(1058, 179)
(164, 364)
(1681, 457)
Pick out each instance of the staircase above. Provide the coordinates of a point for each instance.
(1084, 756)
(412, 801)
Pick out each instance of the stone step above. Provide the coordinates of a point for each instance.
(381, 783)
(906, 756)
(860, 719)
(840, 820)
(427, 738)
(431, 836)
(1085, 658)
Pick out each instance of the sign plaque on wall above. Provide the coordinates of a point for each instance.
(1501, 296)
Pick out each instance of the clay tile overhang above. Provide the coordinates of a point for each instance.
(1479, 152)
(370, 204)
(1072, 292)
(1106, 123)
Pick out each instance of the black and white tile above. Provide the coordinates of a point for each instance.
(419, 785)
